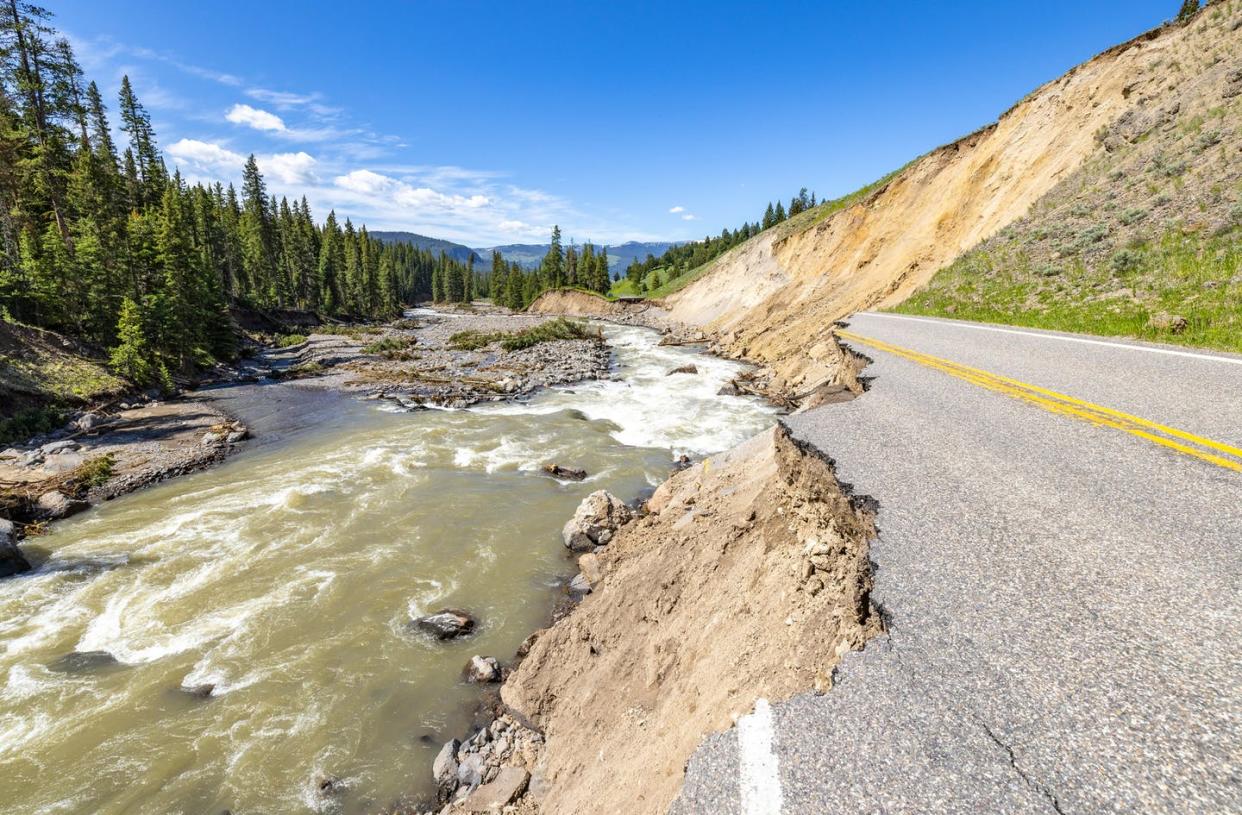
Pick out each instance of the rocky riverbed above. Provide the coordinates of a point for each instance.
(125, 445)
(415, 363)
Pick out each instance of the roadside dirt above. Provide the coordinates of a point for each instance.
(748, 578)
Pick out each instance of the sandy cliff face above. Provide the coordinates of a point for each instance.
(750, 578)
(770, 299)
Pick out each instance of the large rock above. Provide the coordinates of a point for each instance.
(446, 624)
(470, 771)
(565, 473)
(444, 770)
(501, 791)
(12, 561)
(598, 516)
(52, 448)
(54, 505)
(87, 421)
(482, 669)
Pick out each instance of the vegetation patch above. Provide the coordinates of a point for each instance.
(558, 329)
(31, 422)
(289, 340)
(1185, 288)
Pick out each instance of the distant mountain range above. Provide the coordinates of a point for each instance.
(454, 250)
(619, 256)
(529, 255)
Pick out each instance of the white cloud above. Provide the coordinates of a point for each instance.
(365, 181)
(290, 168)
(255, 117)
(206, 156)
(689, 216)
(677, 209)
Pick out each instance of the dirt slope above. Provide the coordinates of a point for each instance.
(1145, 239)
(769, 299)
(749, 579)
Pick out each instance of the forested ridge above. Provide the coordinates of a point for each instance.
(100, 241)
(653, 272)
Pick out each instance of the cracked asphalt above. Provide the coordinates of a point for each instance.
(1062, 598)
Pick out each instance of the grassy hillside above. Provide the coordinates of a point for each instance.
(1144, 240)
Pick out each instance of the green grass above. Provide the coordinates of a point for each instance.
(287, 340)
(387, 344)
(558, 329)
(31, 422)
(623, 288)
(94, 473)
(1190, 275)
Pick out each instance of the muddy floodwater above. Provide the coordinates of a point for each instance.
(279, 587)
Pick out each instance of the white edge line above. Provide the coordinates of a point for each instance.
(759, 777)
(1045, 335)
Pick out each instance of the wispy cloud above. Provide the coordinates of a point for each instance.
(689, 216)
(676, 209)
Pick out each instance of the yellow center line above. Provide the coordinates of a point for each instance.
(1066, 405)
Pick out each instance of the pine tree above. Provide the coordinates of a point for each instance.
(769, 217)
(131, 356)
(148, 166)
(554, 260)
(780, 212)
(257, 240)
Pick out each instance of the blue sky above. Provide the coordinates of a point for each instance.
(486, 123)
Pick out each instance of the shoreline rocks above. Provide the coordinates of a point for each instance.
(487, 771)
(12, 561)
(598, 516)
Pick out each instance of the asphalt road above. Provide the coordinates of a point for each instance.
(1062, 593)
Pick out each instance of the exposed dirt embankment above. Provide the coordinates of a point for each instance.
(749, 578)
(578, 303)
(772, 299)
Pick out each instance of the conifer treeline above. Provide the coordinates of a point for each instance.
(104, 244)
(508, 284)
(653, 272)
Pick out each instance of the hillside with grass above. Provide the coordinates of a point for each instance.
(1144, 240)
(1104, 201)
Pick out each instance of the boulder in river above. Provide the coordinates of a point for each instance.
(598, 516)
(482, 670)
(12, 561)
(54, 505)
(446, 624)
(87, 421)
(683, 369)
(202, 691)
(77, 662)
(566, 473)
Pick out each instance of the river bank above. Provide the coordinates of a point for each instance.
(252, 622)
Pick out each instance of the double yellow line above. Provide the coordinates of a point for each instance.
(1222, 455)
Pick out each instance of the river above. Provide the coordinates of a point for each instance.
(286, 579)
